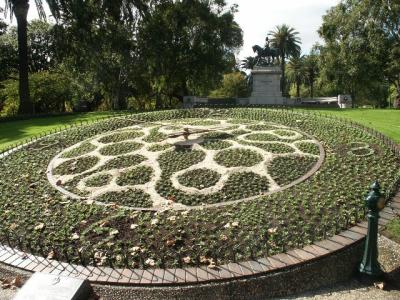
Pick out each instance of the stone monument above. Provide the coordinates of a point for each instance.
(266, 86)
(266, 77)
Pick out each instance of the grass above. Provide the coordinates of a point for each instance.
(386, 121)
(17, 131)
(392, 230)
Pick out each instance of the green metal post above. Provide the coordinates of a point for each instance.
(370, 265)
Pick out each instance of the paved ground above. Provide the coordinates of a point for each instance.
(389, 255)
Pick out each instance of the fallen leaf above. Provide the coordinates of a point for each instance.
(150, 262)
(187, 260)
(51, 255)
(272, 230)
(379, 285)
(114, 232)
(39, 226)
(75, 236)
(170, 243)
(104, 223)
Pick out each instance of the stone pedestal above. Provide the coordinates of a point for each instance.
(345, 101)
(51, 287)
(266, 86)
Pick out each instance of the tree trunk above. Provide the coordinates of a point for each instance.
(312, 89)
(297, 89)
(158, 101)
(283, 84)
(21, 13)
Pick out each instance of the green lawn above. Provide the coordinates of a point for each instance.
(17, 131)
(386, 121)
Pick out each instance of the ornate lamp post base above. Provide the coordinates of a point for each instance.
(370, 268)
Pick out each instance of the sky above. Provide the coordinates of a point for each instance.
(258, 17)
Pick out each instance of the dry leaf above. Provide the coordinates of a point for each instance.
(51, 255)
(170, 243)
(379, 285)
(272, 230)
(13, 226)
(114, 232)
(39, 226)
(187, 260)
(104, 223)
(150, 262)
(75, 236)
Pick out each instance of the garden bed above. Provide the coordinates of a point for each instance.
(122, 194)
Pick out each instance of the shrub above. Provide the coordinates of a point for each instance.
(51, 92)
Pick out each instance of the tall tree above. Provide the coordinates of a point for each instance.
(73, 9)
(295, 72)
(311, 69)
(361, 53)
(20, 9)
(286, 40)
(188, 45)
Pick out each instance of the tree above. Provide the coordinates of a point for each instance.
(3, 25)
(311, 69)
(188, 45)
(40, 41)
(286, 40)
(234, 85)
(362, 39)
(61, 9)
(8, 53)
(248, 63)
(20, 9)
(295, 72)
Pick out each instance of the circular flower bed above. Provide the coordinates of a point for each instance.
(133, 192)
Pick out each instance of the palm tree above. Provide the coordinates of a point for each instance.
(75, 8)
(248, 63)
(295, 72)
(286, 40)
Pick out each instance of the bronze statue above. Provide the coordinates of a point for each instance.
(265, 56)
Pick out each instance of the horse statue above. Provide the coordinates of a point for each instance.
(265, 56)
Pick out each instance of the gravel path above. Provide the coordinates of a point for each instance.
(389, 256)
